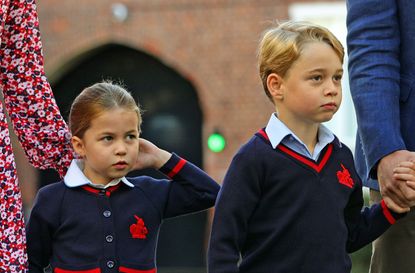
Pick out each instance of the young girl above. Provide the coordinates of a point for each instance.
(98, 220)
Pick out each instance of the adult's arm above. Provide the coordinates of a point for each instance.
(373, 45)
(36, 119)
(374, 69)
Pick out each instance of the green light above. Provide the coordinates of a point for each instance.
(216, 142)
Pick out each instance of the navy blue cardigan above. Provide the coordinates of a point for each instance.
(280, 212)
(114, 230)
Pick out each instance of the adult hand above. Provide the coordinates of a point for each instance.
(396, 193)
(406, 172)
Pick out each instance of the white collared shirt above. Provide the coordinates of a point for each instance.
(75, 177)
(278, 133)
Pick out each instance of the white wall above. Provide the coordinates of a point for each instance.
(333, 16)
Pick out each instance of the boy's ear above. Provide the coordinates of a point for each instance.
(275, 84)
(78, 146)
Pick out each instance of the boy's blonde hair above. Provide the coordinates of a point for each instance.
(94, 100)
(281, 46)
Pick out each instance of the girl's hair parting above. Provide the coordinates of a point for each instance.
(94, 100)
(281, 46)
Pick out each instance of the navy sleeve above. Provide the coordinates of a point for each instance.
(40, 227)
(366, 225)
(237, 199)
(190, 189)
(373, 42)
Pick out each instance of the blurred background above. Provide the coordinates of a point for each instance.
(191, 64)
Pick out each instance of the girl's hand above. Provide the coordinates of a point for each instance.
(150, 156)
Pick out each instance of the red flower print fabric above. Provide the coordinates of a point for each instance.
(35, 117)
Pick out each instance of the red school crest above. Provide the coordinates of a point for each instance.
(138, 230)
(344, 177)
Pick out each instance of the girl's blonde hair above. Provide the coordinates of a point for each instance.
(94, 100)
(281, 46)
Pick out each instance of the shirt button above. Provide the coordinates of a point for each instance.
(109, 238)
(107, 213)
(110, 264)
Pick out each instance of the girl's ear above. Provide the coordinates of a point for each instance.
(275, 86)
(78, 146)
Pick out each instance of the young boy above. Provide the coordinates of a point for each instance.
(291, 200)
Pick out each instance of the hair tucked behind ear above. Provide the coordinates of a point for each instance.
(94, 100)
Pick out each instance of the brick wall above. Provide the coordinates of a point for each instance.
(212, 43)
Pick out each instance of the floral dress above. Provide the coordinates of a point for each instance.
(35, 117)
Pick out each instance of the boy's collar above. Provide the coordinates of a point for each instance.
(277, 131)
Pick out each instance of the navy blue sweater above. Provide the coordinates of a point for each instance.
(112, 230)
(280, 212)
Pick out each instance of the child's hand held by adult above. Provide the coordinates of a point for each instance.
(394, 207)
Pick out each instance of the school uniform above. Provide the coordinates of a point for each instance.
(76, 227)
(280, 211)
